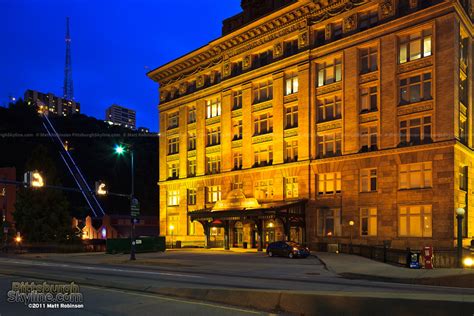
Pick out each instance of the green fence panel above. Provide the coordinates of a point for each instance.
(145, 244)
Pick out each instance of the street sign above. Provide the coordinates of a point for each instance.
(135, 207)
(135, 220)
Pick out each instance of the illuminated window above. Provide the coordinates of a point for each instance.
(213, 136)
(192, 115)
(329, 222)
(263, 91)
(263, 156)
(237, 129)
(329, 72)
(368, 221)
(192, 164)
(368, 138)
(192, 141)
(415, 221)
(415, 131)
(291, 116)
(213, 108)
(214, 193)
(415, 89)
(173, 120)
(173, 145)
(291, 84)
(415, 46)
(264, 189)
(291, 187)
(237, 159)
(329, 145)
(213, 164)
(416, 175)
(263, 124)
(368, 180)
(173, 170)
(329, 108)
(173, 197)
(237, 100)
(192, 194)
(368, 99)
(329, 183)
(291, 150)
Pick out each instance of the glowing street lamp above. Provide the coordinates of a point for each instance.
(119, 149)
(351, 224)
(468, 262)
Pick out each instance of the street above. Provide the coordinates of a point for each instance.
(100, 276)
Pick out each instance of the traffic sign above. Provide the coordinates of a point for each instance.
(135, 207)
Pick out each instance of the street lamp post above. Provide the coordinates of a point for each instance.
(459, 216)
(120, 150)
(351, 224)
(171, 229)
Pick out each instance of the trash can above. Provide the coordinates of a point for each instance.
(245, 245)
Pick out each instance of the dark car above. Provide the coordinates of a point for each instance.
(288, 249)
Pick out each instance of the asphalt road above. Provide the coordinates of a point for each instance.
(103, 301)
(198, 270)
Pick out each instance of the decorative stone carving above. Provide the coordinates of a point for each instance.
(277, 50)
(410, 108)
(226, 69)
(183, 88)
(262, 138)
(191, 153)
(413, 4)
(328, 126)
(368, 118)
(291, 132)
(350, 23)
(200, 81)
(328, 32)
(172, 157)
(213, 77)
(247, 62)
(371, 76)
(163, 95)
(417, 64)
(303, 40)
(387, 9)
(329, 88)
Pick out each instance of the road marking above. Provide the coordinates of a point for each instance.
(174, 299)
(48, 264)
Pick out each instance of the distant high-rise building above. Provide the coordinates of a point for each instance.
(118, 115)
(52, 103)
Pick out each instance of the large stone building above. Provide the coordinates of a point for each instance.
(308, 116)
(52, 103)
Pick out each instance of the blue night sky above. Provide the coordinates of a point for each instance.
(114, 43)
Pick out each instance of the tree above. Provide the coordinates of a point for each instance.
(42, 215)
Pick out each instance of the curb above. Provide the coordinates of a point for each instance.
(302, 303)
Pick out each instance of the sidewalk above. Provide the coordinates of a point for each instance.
(353, 266)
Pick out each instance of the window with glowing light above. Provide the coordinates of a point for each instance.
(214, 193)
(173, 197)
(368, 180)
(291, 83)
(329, 183)
(415, 221)
(173, 170)
(415, 46)
(329, 72)
(213, 108)
(416, 175)
(291, 187)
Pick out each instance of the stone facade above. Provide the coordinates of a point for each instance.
(381, 85)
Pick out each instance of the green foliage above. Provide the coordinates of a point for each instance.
(43, 214)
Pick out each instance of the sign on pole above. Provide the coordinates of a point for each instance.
(135, 207)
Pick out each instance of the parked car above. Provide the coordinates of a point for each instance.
(288, 249)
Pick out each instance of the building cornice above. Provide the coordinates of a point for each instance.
(278, 24)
